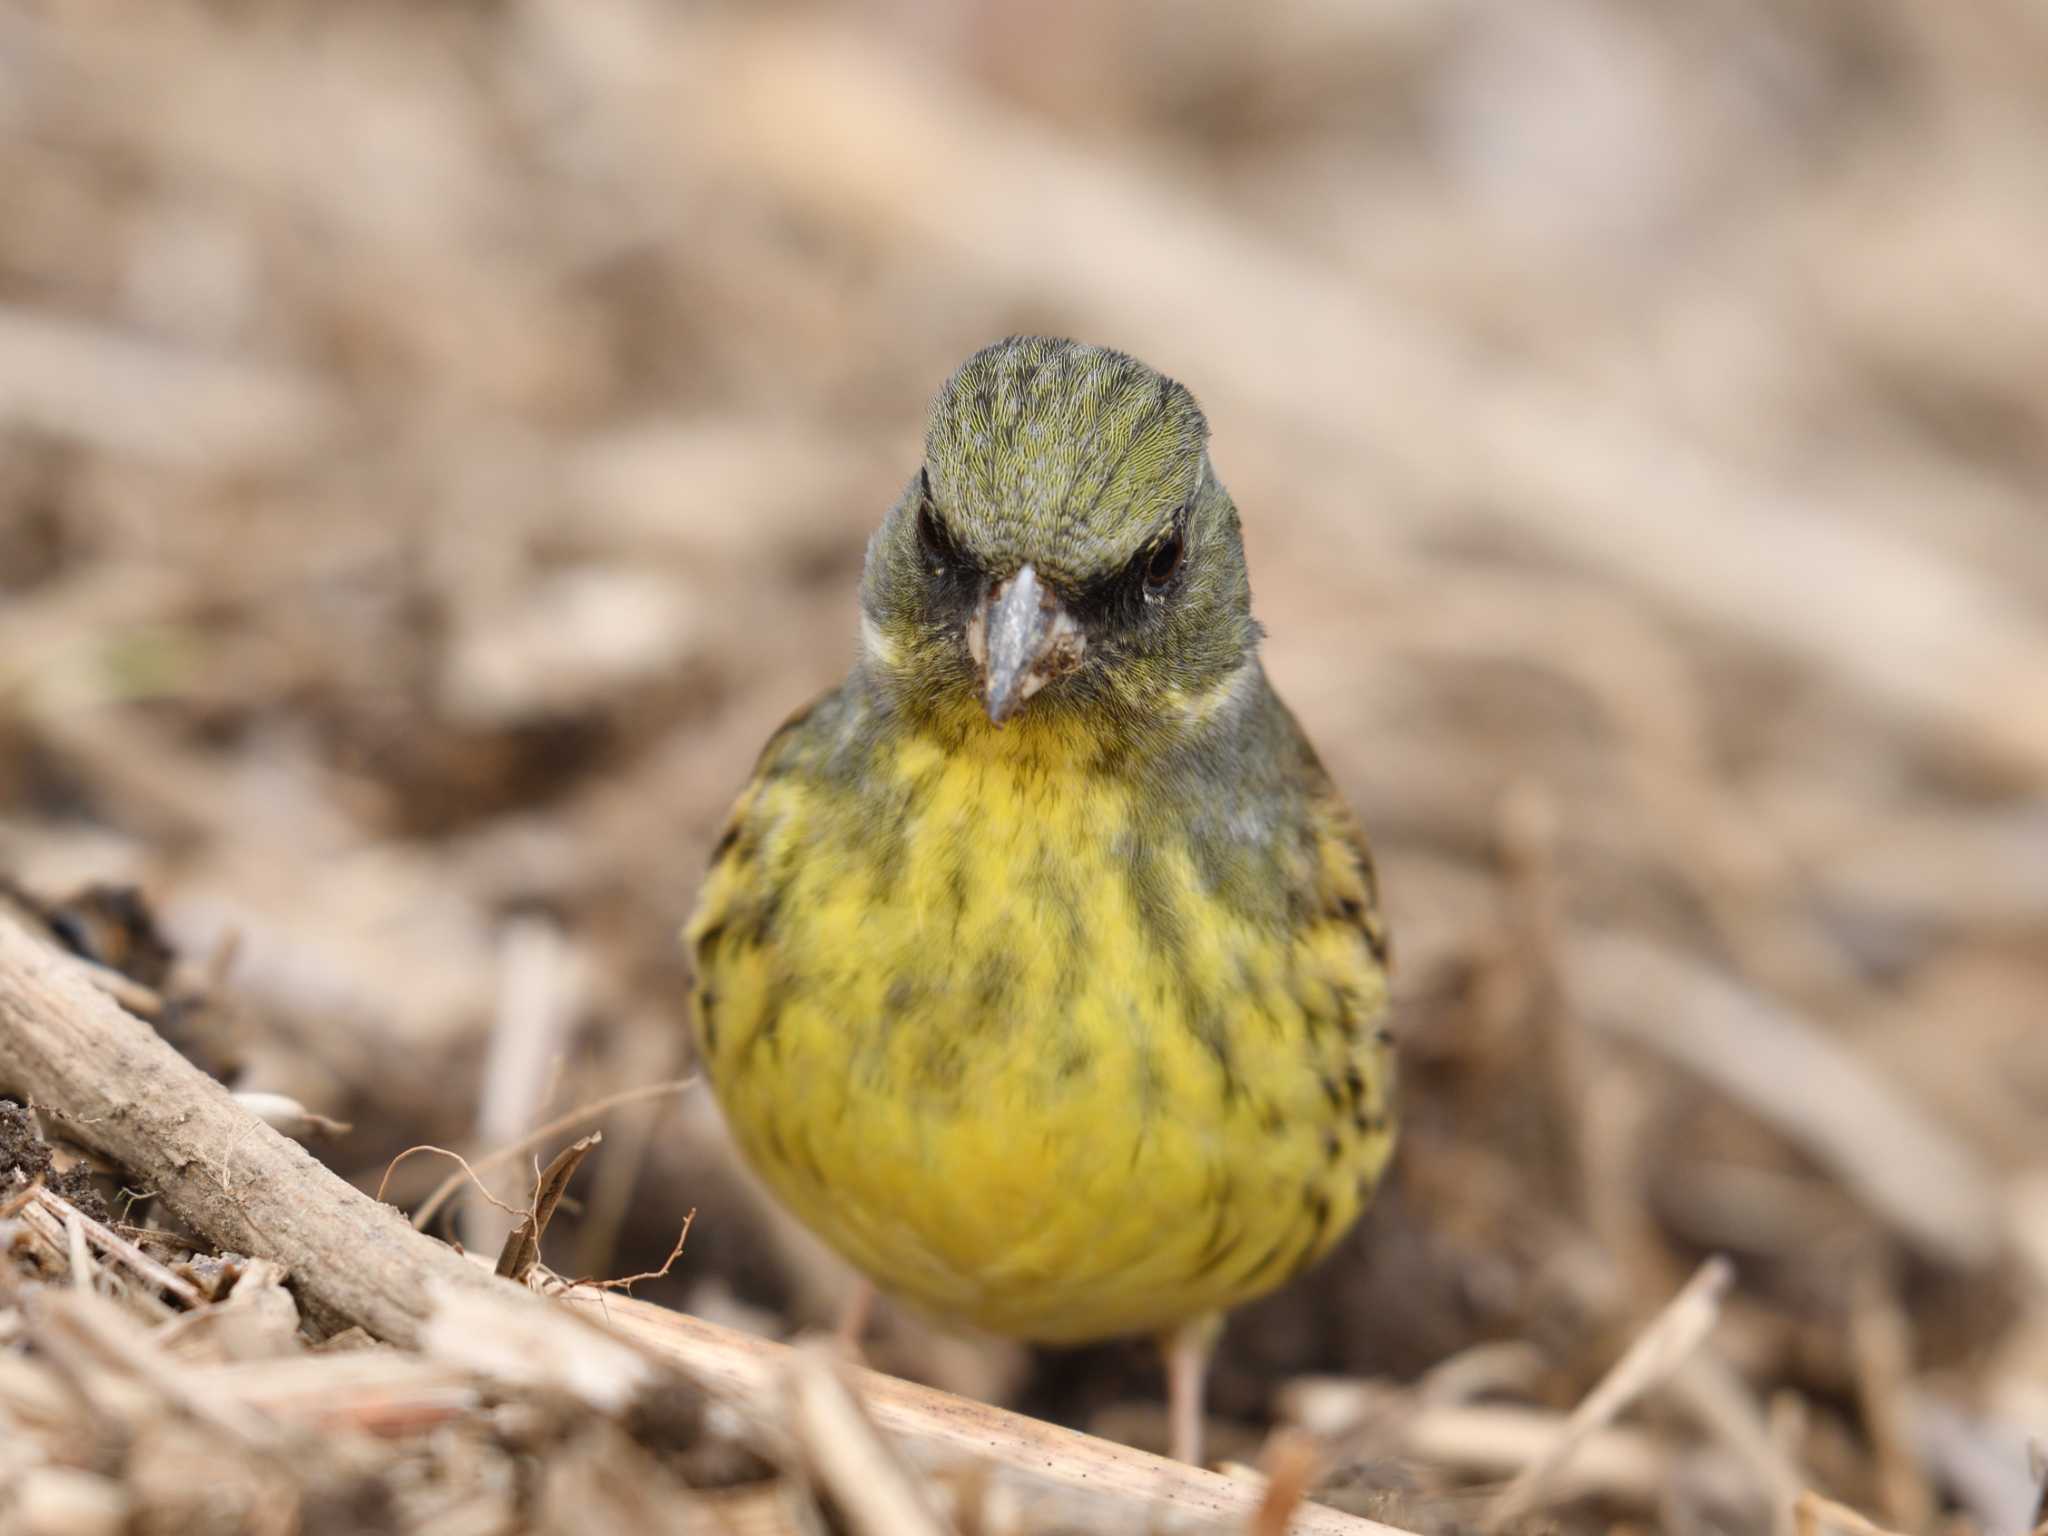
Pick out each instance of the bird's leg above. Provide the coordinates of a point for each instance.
(1187, 1350)
(853, 1318)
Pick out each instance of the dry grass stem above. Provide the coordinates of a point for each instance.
(1649, 1360)
(1881, 1346)
(867, 1483)
(1290, 1466)
(114, 1245)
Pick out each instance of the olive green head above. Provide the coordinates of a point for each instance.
(1065, 546)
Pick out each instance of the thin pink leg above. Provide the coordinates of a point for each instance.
(1187, 1350)
(853, 1320)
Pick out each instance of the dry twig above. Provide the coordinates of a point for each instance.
(505, 1154)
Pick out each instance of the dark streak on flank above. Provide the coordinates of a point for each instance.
(1365, 918)
(755, 923)
(1319, 1212)
(1367, 872)
(1206, 1023)
(707, 996)
(1266, 1261)
(1318, 1230)
(1218, 1243)
(723, 846)
(1314, 1012)
(770, 1018)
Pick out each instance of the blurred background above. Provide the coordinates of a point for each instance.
(437, 443)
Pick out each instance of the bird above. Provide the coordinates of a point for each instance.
(1039, 968)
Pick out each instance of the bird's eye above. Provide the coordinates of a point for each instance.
(933, 538)
(1164, 563)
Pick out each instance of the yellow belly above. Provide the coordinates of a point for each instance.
(1003, 1050)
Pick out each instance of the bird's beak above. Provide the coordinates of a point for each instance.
(1023, 638)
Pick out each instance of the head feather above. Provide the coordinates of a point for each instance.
(1069, 456)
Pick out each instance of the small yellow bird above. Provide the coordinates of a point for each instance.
(1039, 968)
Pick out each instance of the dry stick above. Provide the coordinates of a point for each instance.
(118, 1089)
(1675, 1333)
(940, 1428)
(115, 1087)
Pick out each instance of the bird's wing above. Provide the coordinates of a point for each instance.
(1347, 883)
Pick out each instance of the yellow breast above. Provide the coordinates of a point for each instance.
(987, 1029)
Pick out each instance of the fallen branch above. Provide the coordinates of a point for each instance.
(115, 1087)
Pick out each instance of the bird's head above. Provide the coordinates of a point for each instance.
(1064, 549)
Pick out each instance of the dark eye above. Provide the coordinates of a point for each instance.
(1163, 564)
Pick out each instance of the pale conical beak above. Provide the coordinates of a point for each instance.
(1023, 638)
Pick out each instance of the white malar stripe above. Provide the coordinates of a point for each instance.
(1227, 694)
